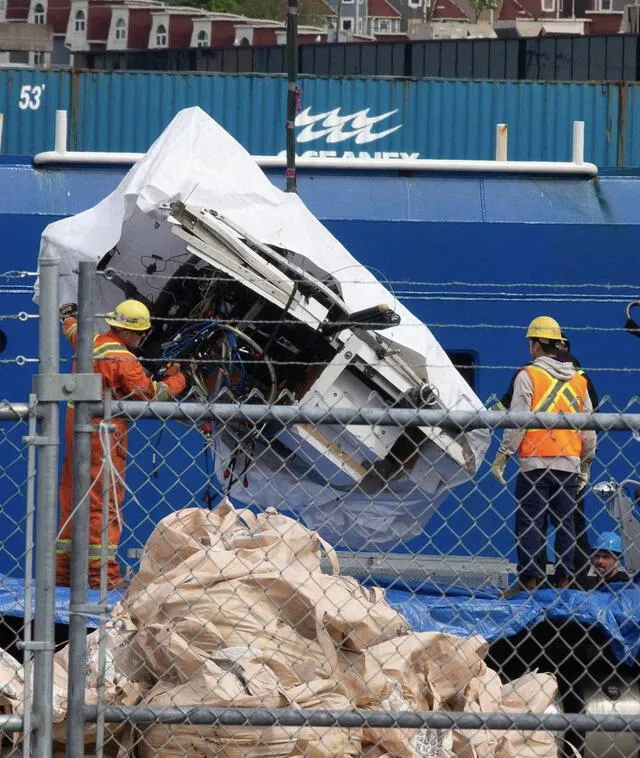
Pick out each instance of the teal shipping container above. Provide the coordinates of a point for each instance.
(338, 117)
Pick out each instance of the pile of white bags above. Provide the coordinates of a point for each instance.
(230, 608)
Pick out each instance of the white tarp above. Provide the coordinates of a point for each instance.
(195, 159)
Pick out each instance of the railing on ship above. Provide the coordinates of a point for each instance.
(575, 167)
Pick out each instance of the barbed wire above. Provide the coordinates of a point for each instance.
(17, 274)
(19, 360)
(348, 323)
(347, 363)
(109, 272)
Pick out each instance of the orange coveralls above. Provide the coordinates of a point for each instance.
(123, 374)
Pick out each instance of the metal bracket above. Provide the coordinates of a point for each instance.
(78, 388)
(89, 609)
(41, 441)
(35, 646)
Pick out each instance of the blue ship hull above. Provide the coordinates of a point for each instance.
(475, 257)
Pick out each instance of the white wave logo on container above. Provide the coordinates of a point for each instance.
(335, 128)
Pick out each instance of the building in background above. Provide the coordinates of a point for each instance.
(131, 25)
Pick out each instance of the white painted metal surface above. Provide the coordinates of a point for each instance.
(575, 167)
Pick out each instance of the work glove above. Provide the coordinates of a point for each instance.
(169, 369)
(68, 309)
(498, 466)
(583, 476)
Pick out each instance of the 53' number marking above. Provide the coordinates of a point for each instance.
(31, 96)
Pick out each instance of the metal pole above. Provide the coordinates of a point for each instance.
(352, 718)
(27, 663)
(13, 411)
(292, 93)
(46, 511)
(405, 417)
(104, 558)
(83, 430)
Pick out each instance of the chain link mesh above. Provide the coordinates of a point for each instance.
(294, 558)
(285, 565)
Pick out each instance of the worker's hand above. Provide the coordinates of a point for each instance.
(169, 369)
(498, 466)
(583, 476)
(68, 309)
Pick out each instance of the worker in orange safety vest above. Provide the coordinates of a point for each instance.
(554, 463)
(123, 374)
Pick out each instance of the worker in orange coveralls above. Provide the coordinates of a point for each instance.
(123, 374)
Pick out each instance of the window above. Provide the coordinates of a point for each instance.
(79, 21)
(605, 5)
(161, 36)
(121, 29)
(415, 3)
(548, 6)
(347, 24)
(465, 361)
(202, 39)
(382, 25)
(38, 59)
(244, 42)
(38, 14)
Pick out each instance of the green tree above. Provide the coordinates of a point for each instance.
(222, 6)
(479, 6)
(272, 9)
(310, 12)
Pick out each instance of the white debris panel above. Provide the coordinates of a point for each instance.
(227, 216)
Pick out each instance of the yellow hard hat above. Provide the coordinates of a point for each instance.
(130, 314)
(544, 327)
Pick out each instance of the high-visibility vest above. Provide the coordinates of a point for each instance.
(551, 395)
(112, 359)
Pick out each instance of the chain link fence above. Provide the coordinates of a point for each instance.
(300, 555)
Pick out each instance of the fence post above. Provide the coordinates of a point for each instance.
(83, 430)
(46, 509)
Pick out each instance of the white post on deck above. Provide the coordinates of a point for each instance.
(61, 132)
(578, 142)
(502, 138)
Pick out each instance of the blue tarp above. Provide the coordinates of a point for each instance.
(12, 600)
(615, 612)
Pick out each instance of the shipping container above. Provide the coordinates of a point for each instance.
(610, 57)
(348, 117)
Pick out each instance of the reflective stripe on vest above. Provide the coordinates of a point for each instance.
(70, 330)
(107, 350)
(110, 349)
(551, 395)
(63, 547)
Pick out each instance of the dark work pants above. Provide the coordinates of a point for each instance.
(582, 559)
(545, 495)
